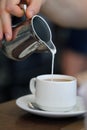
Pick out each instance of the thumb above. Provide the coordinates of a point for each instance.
(33, 8)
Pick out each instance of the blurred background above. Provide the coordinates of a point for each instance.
(15, 75)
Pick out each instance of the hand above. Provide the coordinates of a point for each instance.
(13, 7)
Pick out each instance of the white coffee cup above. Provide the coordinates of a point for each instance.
(54, 95)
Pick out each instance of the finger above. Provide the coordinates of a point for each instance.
(33, 8)
(1, 31)
(6, 24)
(15, 10)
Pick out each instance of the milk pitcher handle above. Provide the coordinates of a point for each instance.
(33, 85)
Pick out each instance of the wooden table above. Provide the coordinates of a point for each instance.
(14, 118)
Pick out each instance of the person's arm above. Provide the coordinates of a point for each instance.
(68, 13)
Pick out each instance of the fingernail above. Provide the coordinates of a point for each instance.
(1, 36)
(8, 36)
(31, 13)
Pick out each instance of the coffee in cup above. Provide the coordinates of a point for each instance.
(58, 80)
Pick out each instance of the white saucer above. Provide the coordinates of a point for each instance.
(22, 102)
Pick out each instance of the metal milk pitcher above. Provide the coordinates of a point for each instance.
(28, 37)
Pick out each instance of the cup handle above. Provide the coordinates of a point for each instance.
(33, 85)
